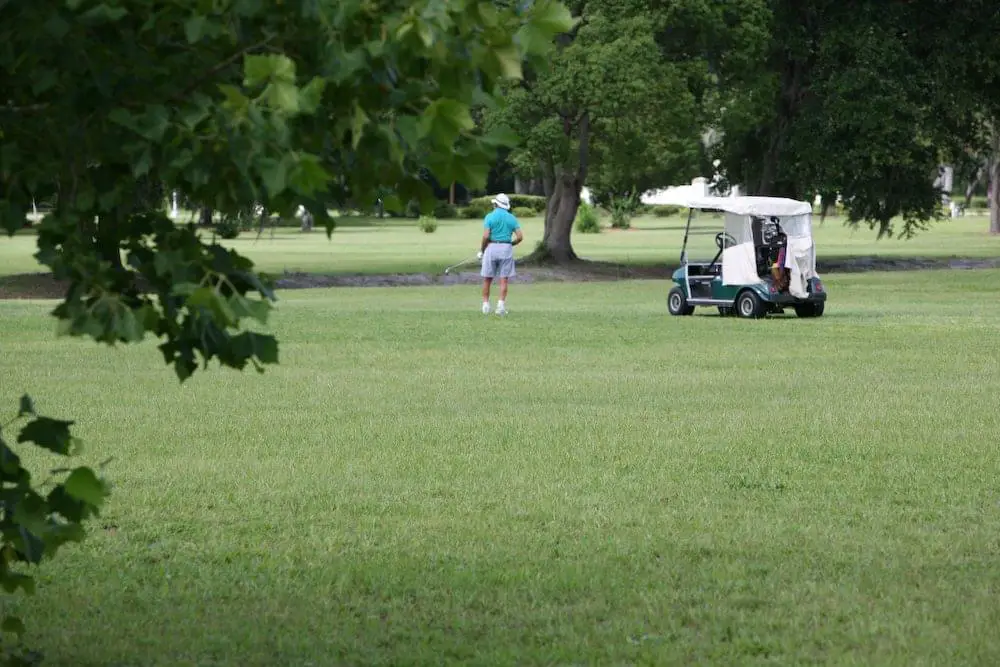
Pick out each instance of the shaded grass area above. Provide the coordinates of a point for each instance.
(607, 485)
(369, 246)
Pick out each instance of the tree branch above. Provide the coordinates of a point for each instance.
(28, 108)
(218, 68)
(584, 148)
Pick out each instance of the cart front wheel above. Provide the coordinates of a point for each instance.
(677, 303)
(749, 305)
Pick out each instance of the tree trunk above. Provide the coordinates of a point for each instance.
(563, 188)
(560, 213)
(451, 194)
(970, 189)
(108, 241)
(994, 190)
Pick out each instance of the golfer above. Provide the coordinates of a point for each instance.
(501, 232)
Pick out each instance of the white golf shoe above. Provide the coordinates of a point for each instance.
(486, 307)
(501, 308)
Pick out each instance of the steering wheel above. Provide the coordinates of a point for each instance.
(724, 240)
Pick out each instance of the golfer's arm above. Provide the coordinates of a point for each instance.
(518, 236)
(485, 240)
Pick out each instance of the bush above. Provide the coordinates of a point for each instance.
(445, 211)
(533, 202)
(622, 210)
(524, 212)
(427, 223)
(228, 228)
(469, 213)
(478, 209)
(586, 219)
(666, 211)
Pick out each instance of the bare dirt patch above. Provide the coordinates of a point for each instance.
(44, 286)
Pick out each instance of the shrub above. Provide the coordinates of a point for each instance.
(468, 213)
(533, 202)
(524, 212)
(427, 223)
(586, 219)
(478, 209)
(622, 210)
(228, 228)
(666, 211)
(445, 211)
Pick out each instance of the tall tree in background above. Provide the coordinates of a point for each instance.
(608, 108)
(860, 99)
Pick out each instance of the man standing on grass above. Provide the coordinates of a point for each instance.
(501, 232)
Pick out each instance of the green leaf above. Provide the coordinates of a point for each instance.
(27, 406)
(444, 119)
(311, 95)
(209, 299)
(14, 625)
(553, 17)
(51, 434)
(153, 125)
(501, 136)
(283, 96)
(258, 69)
(509, 59)
(308, 176)
(257, 309)
(533, 40)
(249, 344)
(358, 123)
(274, 173)
(13, 582)
(46, 80)
(83, 485)
(103, 13)
(194, 28)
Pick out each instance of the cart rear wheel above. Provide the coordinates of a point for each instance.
(749, 305)
(809, 309)
(677, 303)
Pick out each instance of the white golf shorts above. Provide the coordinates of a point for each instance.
(498, 261)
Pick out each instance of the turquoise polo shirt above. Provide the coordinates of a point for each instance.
(501, 224)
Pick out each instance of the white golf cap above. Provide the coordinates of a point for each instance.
(502, 201)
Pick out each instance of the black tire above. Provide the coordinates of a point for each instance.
(809, 309)
(677, 303)
(749, 305)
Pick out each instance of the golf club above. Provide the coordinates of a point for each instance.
(462, 263)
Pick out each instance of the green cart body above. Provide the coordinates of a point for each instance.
(765, 264)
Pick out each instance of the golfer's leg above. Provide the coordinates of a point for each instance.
(504, 271)
(487, 272)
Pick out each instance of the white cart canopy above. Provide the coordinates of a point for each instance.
(763, 206)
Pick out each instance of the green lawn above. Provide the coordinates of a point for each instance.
(363, 245)
(588, 481)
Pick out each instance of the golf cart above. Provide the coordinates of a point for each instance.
(766, 260)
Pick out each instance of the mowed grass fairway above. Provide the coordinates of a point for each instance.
(587, 481)
(370, 246)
